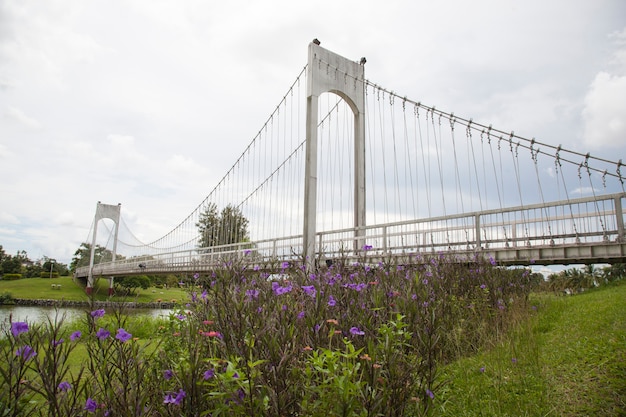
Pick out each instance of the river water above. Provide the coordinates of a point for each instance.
(37, 314)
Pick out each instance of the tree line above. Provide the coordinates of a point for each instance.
(22, 265)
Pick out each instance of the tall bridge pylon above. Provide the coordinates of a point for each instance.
(328, 72)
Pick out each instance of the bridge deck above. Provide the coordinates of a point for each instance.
(563, 232)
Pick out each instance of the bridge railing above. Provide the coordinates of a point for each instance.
(263, 253)
(581, 221)
(566, 222)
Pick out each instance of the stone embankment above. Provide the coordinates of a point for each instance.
(95, 304)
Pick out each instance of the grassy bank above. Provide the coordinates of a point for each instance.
(41, 289)
(436, 340)
(568, 360)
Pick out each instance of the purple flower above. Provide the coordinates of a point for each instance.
(430, 393)
(75, 336)
(204, 295)
(482, 369)
(64, 386)
(26, 352)
(241, 394)
(280, 290)
(235, 375)
(284, 265)
(175, 398)
(301, 315)
(168, 374)
(356, 331)
(18, 327)
(309, 290)
(91, 405)
(331, 301)
(492, 261)
(247, 252)
(122, 335)
(367, 247)
(56, 343)
(97, 313)
(196, 276)
(180, 316)
(514, 360)
(356, 287)
(209, 374)
(103, 333)
(252, 294)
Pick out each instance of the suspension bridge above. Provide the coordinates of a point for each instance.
(345, 169)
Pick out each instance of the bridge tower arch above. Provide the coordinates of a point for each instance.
(103, 211)
(328, 72)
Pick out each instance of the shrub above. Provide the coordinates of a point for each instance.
(11, 277)
(6, 298)
(44, 274)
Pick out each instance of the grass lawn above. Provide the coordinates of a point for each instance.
(41, 288)
(569, 360)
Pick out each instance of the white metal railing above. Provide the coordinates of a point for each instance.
(566, 223)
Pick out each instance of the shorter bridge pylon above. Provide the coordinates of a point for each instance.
(103, 211)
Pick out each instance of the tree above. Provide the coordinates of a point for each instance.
(222, 228)
(14, 264)
(3, 256)
(131, 283)
(83, 253)
(47, 267)
(11, 265)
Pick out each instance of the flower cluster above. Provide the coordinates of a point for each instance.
(358, 338)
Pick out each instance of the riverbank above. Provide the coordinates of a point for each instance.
(64, 291)
(94, 304)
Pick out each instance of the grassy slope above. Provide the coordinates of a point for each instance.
(40, 288)
(569, 360)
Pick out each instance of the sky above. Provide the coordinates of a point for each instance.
(147, 103)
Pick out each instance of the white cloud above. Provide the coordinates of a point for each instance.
(20, 117)
(66, 218)
(604, 114)
(585, 191)
(185, 166)
(5, 152)
(122, 142)
(8, 218)
(605, 111)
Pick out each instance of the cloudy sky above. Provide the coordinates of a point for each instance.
(148, 102)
